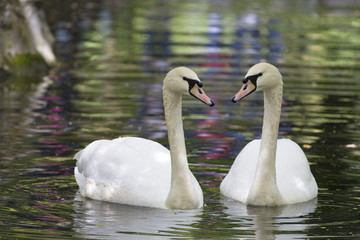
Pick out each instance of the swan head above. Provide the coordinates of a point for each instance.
(260, 77)
(184, 81)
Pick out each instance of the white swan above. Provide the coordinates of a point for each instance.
(142, 172)
(269, 172)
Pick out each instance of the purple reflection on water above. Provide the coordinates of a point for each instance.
(53, 118)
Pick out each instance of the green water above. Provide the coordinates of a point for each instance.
(113, 57)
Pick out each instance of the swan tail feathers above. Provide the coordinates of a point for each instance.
(80, 178)
(78, 155)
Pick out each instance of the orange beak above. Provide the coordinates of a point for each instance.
(245, 90)
(200, 94)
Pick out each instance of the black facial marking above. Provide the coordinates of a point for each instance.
(252, 78)
(192, 82)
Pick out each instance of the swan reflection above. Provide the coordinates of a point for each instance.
(96, 219)
(288, 220)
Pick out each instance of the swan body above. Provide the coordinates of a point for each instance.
(141, 172)
(269, 171)
(114, 179)
(292, 173)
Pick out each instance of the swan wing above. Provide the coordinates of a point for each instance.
(127, 170)
(238, 181)
(294, 178)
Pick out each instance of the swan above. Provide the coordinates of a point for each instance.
(269, 171)
(141, 172)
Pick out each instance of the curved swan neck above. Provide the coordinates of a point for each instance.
(272, 112)
(173, 118)
(183, 192)
(264, 190)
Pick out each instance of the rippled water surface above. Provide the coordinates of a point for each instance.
(113, 57)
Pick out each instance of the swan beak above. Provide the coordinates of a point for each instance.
(245, 90)
(200, 94)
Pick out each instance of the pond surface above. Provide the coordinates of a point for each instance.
(113, 58)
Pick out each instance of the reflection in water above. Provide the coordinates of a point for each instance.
(114, 56)
(115, 221)
(267, 221)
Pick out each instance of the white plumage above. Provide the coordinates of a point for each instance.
(293, 176)
(125, 170)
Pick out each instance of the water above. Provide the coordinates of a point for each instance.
(114, 56)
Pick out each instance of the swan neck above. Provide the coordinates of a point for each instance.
(183, 192)
(264, 190)
(173, 117)
(271, 120)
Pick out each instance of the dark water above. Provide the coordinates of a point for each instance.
(113, 57)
